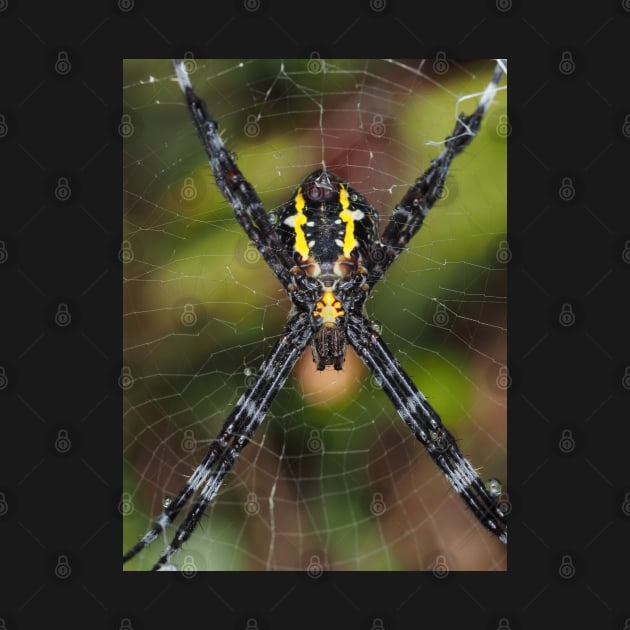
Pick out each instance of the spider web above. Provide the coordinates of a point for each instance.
(333, 479)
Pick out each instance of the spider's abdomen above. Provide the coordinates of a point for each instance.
(329, 226)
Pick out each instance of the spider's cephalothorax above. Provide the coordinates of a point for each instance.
(325, 251)
(331, 230)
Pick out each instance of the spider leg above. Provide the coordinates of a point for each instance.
(249, 412)
(425, 423)
(238, 192)
(409, 214)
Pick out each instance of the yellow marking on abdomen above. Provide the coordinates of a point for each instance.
(296, 221)
(348, 217)
(328, 308)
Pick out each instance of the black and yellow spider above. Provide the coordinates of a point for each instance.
(324, 247)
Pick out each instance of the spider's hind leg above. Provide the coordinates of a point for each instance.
(409, 213)
(235, 188)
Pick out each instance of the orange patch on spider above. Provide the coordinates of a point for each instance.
(329, 308)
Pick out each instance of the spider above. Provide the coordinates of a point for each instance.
(324, 247)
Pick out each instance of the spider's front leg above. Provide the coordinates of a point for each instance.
(425, 424)
(238, 429)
